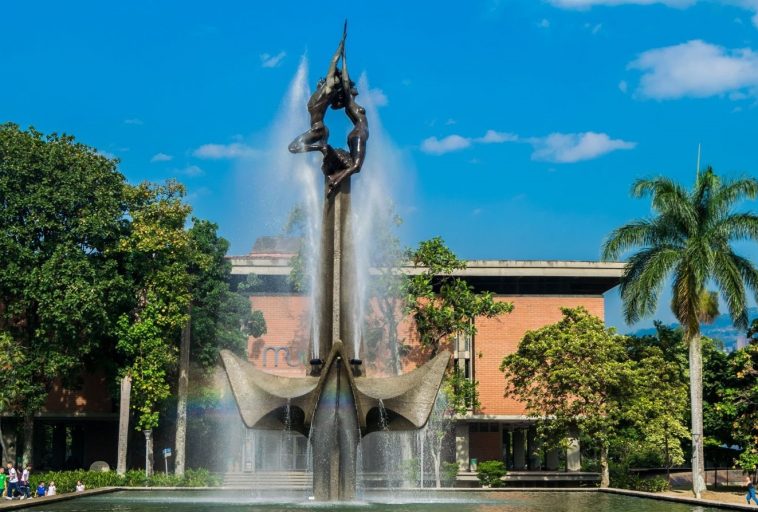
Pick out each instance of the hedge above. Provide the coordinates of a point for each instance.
(65, 481)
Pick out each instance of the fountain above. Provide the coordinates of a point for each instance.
(337, 403)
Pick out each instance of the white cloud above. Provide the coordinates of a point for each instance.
(133, 121)
(493, 137)
(272, 61)
(436, 146)
(696, 69)
(544, 23)
(450, 122)
(623, 86)
(161, 157)
(225, 151)
(586, 4)
(575, 147)
(377, 97)
(750, 5)
(594, 29)
(192, 170)
(556, 147)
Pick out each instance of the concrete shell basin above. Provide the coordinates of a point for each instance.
(403, 402)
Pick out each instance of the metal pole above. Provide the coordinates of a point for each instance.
(165, 461)
(423, 439)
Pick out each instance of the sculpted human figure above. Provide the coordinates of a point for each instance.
(328, 92)
(356, 139)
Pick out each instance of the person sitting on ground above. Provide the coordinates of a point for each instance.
(79, 486)
(41, 489)
(750, 490)
(51, 490)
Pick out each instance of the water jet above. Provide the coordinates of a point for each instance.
(336, 400)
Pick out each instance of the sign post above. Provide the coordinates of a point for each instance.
(166, 455)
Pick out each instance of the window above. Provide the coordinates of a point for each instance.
(463, 345)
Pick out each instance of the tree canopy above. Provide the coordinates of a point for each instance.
(62, 207)
(689, 240)
(581, 377)
(440, 303)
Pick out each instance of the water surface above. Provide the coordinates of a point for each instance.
(400, 501)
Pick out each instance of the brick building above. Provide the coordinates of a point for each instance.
(538, 289)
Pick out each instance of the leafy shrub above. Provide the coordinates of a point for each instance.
(490, 472)
(449, 473)
(65, 481)
(636, 483)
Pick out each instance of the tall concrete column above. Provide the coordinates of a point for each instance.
(533, 449)
(553, 459)
(123, 424)
(507, 451)
(519, 449)
(573, 455)
(335, 298)
(462, 446)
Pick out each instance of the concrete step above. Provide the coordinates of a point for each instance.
(269, 480)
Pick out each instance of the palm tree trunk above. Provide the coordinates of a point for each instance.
(605, 477)
(696, 405)
(180, 443)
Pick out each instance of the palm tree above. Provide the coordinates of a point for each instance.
(688, 239)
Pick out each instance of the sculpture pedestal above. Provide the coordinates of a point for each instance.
(334, 437)
(336, 303)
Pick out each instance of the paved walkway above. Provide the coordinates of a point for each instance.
(726, 500)
(31, 502)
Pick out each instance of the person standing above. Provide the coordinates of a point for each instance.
(750, 490)
(24, 484)
(3, 476)
(12, 482)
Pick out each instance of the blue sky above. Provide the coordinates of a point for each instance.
(520, 124)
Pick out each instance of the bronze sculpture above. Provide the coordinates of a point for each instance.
(337, 91)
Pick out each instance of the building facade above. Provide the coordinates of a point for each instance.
(500, 428)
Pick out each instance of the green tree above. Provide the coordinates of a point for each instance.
(442, 305)
(62, 210)
(577, 373)
(221, 317)
(156, 254)
(657, 410)
(689, 240)
(740, 400)
(16, 383)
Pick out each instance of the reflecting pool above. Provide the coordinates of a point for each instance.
(401, 501)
